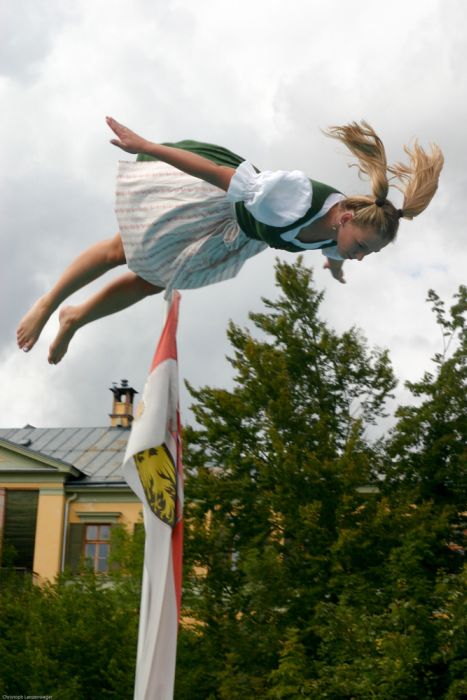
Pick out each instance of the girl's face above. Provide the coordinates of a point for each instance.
(354, 242)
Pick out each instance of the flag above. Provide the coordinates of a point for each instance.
(153, 469)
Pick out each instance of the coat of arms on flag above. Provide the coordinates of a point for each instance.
(153, 469)
(158, 475)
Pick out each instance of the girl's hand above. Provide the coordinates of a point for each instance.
(335, 268)
(127, 140)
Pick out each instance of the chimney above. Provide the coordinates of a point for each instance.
(122, 405)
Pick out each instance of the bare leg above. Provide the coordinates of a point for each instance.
(119, 294)
(93, 263)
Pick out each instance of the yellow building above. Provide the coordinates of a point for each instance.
(62, 490)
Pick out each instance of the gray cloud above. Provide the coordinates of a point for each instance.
(259, 79)
(45, 223)
(27, 33)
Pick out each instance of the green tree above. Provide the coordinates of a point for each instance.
(74, 638)
(428, 447)
(273, 475)
(303, 586)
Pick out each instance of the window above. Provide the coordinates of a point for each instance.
(96, 547)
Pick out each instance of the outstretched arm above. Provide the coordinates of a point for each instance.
(191, 163)
(335, 268)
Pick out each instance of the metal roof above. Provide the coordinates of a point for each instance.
(97, 452)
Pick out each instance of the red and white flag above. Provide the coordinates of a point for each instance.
(153, 469)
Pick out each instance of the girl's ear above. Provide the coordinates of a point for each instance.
(346, 216)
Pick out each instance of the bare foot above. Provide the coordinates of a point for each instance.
(31, 325)
(68, 327)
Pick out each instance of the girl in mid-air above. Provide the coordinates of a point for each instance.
(190, 214)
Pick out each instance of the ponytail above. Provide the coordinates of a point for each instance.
(419, 178)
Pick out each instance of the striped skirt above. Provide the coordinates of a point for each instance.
(178, 232)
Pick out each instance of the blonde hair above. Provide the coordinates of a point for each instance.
(419, 178)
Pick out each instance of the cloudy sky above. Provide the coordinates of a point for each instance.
(261, 77)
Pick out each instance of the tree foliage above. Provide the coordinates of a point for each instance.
(318, 563)
(72, 639)
(428, 445)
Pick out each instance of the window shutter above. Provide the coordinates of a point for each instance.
(19, 534)
(74, 547)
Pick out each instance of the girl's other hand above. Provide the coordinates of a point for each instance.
(127, 140)
(335, 268)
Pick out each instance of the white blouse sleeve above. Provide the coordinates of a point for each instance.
(276, 198)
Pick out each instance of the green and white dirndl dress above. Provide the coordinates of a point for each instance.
(180, 232)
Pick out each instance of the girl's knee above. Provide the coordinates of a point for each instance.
(149, 288)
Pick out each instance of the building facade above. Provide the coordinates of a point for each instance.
(61, 492)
